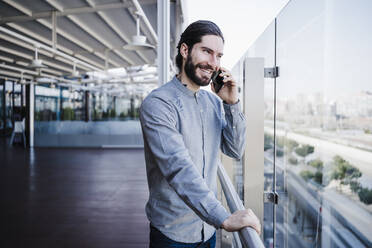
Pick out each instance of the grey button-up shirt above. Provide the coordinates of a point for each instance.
(183, 133)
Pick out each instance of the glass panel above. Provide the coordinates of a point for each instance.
(60, 117)
(324, 116)
(264, 47)
(111, 107)
(72, 102)
(46, 103)
(237, 179)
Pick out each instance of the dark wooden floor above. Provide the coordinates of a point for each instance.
(72, 198)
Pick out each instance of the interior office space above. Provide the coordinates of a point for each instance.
(73, 75)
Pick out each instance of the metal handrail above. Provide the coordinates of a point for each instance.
(248, 236)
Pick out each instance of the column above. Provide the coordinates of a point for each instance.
(163, 41)
(253, 160)
(30, 95)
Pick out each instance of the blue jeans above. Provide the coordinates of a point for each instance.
(159, 240)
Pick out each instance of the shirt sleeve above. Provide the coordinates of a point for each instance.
(233, 130)
(166, 143)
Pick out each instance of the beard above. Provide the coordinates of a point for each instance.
(190, 70)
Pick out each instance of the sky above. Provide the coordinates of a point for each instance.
(241, 21)
(322, 46)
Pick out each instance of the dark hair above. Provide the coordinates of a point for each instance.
(193, 34)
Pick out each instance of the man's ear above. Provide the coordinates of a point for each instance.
(184, 50)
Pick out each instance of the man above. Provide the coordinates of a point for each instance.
(183, 129)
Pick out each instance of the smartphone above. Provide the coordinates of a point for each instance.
(217, 81)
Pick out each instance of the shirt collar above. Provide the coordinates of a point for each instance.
(183, 88)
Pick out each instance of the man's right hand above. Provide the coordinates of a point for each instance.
(241, 219)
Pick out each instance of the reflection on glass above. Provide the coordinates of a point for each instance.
(264, 47)
(324, 125)
(323, 129)
(237, 180)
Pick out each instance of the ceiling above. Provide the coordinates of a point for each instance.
(88, 35)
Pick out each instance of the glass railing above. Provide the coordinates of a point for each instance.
(248, 237)
(318, 124)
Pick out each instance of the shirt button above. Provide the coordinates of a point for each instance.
(201, 111)
(232, 111)
(234, 127)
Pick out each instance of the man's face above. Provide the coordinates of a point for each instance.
(203, 59)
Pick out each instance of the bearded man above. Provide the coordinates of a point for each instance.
(184, 128)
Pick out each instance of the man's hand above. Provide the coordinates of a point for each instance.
(241, 219)
(229, 91)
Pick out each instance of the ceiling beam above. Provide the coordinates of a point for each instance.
(22, 70)
(23, 44)
(57, 66)
(29, 57)
(54, 72)
(91, 32)
(6, 59)
(105, 17)
(19, 6)
(10, 78)
(48, 14)
(70, 11)
(14, 74)
(69, 37)
(100, 39)
(93, 8)
(44, 40)
(49, 42)
(16, 53)
(13, 68)
(50, 26)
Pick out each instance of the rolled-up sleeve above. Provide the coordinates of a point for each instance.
(166, 144)
(233, 130)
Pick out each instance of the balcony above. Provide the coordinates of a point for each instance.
(81, 182)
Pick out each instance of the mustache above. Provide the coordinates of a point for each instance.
(205, 67)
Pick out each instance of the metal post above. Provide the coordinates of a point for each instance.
(28, 113)
(253, 162)
(177, 26)
(274, 157)
(164, 41)
(87, 106)
(30, 91)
